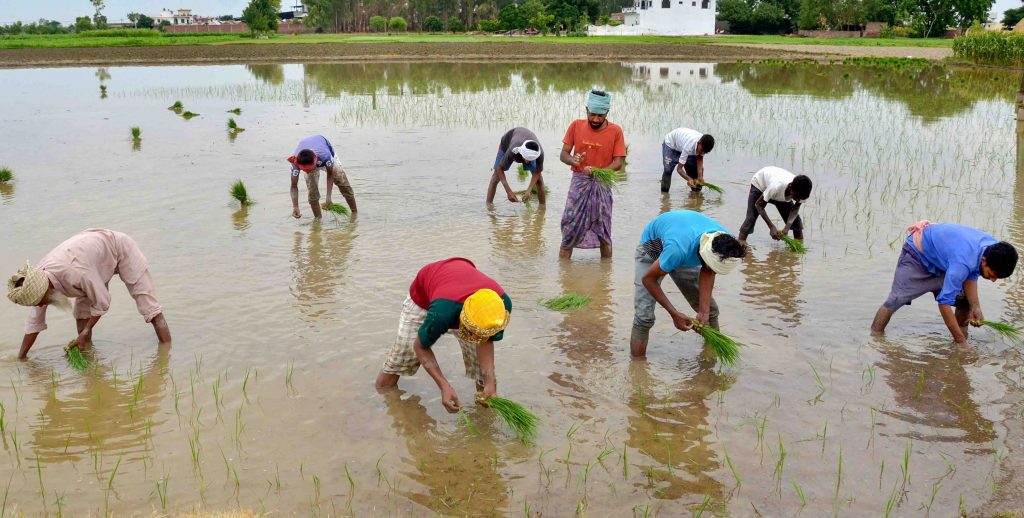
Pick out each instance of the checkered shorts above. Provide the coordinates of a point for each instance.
(401, 359)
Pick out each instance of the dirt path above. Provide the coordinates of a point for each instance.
(932, 53)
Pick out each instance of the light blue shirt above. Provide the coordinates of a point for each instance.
(679, 232)
(954, 251)
(321, 146)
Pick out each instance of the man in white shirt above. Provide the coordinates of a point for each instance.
(786, 192)
(688, 143)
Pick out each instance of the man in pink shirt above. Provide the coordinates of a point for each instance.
(80, 268)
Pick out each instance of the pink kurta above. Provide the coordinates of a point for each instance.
(81, 267)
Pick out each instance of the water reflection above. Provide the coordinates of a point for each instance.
(109, 411)
(774, 283)
(456, 468)
(932, 392)
(669, 424)
(519, 235)
(584, 336)
(1015, 295)
(689, 200)
(240, 218)
(270, 74)
(950, 91)
(7, 192)
(320, 258)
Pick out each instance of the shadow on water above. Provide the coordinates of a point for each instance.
(518, 236)
(106, 411)
(669, 424)
(320, 257)
(457, 469)
(774, 284)
(932, 392)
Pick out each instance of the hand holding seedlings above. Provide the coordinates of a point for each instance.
(450, 399)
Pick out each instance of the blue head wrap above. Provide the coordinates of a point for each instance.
(599, 102)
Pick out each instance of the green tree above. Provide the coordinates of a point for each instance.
(83, 23)
(397, 24)
(145, 22)
(433, 24)
(754, 16)
(456, 25)
(378, 23)
(98, 19)
(261, 15)
(1012, 17)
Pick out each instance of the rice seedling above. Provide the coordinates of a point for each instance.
(39, 471)
(606, 177)
(188, 115)
(712, 187)
(113, 474)
(794, 245)
(931, 500)
(725, 348)
(77, 361)
(839, 470)
(566, 302)
(103, 91)
(779, 464)
(177, 107)
(1003, 329)
(799, 493)
(288, 375)
(351, 482)
(236, 111)
(466, 422)
(6, 175)
(233, 126)
(136, 133)
(3, 424)
(732, 468)
(703, 507)
(905, 466)
(7, 492)
(161, 490)
(338, 208)
(625, 462)
(516, 416)
(239, 193)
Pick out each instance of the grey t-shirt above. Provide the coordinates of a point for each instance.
(514, 138)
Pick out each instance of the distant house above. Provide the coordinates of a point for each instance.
(179, 17)
(297, 13)
(665, 18)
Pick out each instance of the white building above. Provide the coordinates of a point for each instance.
(179, 17)
(664, 18)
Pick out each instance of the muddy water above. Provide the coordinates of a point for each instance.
(265, 398)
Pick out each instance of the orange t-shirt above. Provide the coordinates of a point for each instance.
(601, 146)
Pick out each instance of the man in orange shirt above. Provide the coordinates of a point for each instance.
(590, 143)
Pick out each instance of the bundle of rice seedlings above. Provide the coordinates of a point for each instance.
(523, 173)
(1006, 330)
(338, 208)
(239, 193)
(566, 301)
(176, 107)
(533, 192)
(607, 177)
(236, 111)
(233, 126)
(136, 133)
(75, 358)
(726, 349)
(5, 175)
(712, 187)
(794, 244)
(188, 115)
(103, 91)
(516, 416)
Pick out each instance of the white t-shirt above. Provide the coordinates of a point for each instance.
(773, 181)
(683, 140)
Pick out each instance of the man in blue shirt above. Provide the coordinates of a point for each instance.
(946, 260)
(311, 155)
(691, 248)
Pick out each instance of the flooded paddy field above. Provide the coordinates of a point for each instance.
(265, 399)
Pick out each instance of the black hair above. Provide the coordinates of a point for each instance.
(1001, 258)
(305, 157)
(727, 246)
(707, 143)
(601, 93)
(532, 145)
(801, 186)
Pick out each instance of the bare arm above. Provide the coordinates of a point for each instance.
(705, 284)
(793, 213)
(949, 317)
(700, 168)
(535, 183)
(485, 355)
(26, 343)
(971, 292)
(760, 204)
(504, 183)
(616, 164)
(429, 362)
(294, 191)
(651, 282)
(85, 333)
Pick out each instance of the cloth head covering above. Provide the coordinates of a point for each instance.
(720, 265)
(917, 230)
(483, 316)
(528, 154)
(599, 103)
(33, 287)
(293, 160)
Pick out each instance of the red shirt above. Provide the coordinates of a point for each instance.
(601, 146)
(452, 279)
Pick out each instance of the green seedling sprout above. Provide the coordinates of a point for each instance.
(1003, 329)
(188, 115)
(233, 126)
(239, 193)
(465, 421)
(566, 302)
(606, 177)
(338, 208)
(516, 416)
(77, 361)
(236, 111)
(6, 175)
(177, 107)
(794, 245)
(136, 133)
(725, 348)
(712, 187)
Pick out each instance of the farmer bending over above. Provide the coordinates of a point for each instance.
(81, 268)
(946, 260)
(693, 145)
(691, 248)
(449, 295)
(313, 154)
(783, 189)
(518, 145)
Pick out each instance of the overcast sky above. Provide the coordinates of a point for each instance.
(67, 10)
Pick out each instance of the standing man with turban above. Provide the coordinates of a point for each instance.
(449, 295)
(81, 268)
(518, 145)
(692, 249)
(311, 155)
(590, 143)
